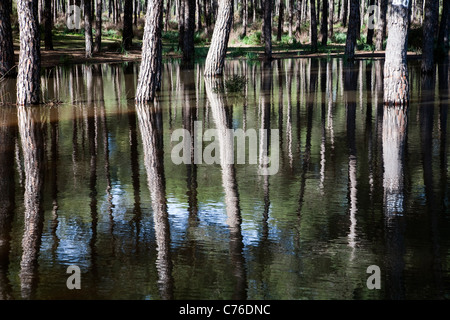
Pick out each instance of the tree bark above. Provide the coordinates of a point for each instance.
(28, 78)
(313, 31)
(324, 24)
(215, 59)
(429, 31)
(331, 19)
(444, 26)
(370, 30)
(150, 70)
(381, 25)
(48, 25)
(127, 34)
(98, 27)
(396, 83)
(353, 26)
(280, 20)
(267, 30)
(6, 40)
(188, 57)
(88, 28)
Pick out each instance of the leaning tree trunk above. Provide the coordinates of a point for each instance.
(127, 33)
(396, 83)
(353, 26)
(219, 42)
(6, 40)
(150, 70)
(429, 30)
(88, 28)
(28, 78)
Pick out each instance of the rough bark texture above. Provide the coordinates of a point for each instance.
(353, 26)
(430, 24)
(219, 42)
(381, 25)
(313, 32)
(28, 78)
(98, 27)
(88, 28)
(267, 30)
(6, 41)
(150, 70)
(396, 83)
(127, 33)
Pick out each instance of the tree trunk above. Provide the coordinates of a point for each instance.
(150, 70)
(267, 30)
(444, 26)
(429, 30)
(98, 27)
(353, 25)
(381, 25)
(6, 40)
(324, 24)
(48, 25)
(219, 42)
(331, 19)
(290, 17)
(88, 28)
(188, 57)
(313, 31)
(280, 20)
(127, 34)
(396, 83)
(28, 78)
(244, 18)
(344, 13)
(370, 29)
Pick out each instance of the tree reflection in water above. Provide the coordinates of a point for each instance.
(151, 128)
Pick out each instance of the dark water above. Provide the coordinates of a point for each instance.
(91, 182)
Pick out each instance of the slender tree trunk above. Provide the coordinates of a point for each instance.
(215, 59)
(28, 78)
(331, 19)
(98, 27)
(324, 24)
(267, 30)
(150, 70)
(444, 27)
(290, 17)
(48, 25)
(370, 30)
(280, 20)
(127, 34)
(396, 82)
(344, 12)
(244, 17)
(381, 25)
(313, 31)
(429, 30)
(88, 28)
(6, 40)
(188, 57)
(353, 25)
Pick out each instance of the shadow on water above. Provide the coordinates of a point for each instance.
(91, 182)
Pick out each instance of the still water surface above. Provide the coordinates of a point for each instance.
(91, 182)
